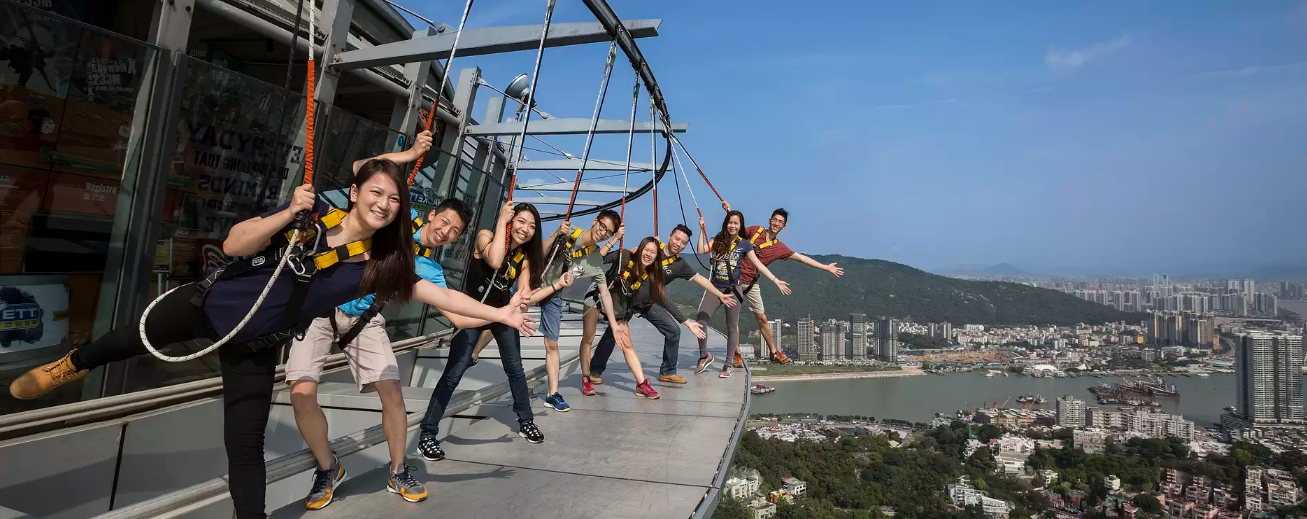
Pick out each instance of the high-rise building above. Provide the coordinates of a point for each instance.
(807, 340)
(776, 326)
(888, 339)
(832, 340)
(1070, 412)
(1269, 373)
(858, 336)
(1248, 289)
(1266, 304)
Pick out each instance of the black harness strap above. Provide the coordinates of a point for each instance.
(357, 327)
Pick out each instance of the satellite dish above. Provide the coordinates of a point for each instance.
(517, 89)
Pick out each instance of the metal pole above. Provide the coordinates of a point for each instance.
(594, 122)
(444, 76)
(530, 97)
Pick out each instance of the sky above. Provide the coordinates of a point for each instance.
(1165, 136)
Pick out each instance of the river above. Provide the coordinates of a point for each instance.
(917, 399)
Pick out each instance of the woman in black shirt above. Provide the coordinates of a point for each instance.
(384, 268)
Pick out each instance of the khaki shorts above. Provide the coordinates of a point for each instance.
(753, 300)
(370, 357)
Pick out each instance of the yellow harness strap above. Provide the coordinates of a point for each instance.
(336, 255)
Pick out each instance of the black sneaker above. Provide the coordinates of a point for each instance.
(430, 449)
(527, 429)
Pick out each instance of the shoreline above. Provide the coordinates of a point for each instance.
(838, 376)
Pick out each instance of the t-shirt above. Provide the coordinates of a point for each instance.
(426, 268)
(768, 251)
(590, 265)
(231, 298)
(726, 269)
(678, 269)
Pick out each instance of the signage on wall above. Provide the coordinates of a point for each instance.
(32, 316)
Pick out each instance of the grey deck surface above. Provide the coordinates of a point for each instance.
(614, 455)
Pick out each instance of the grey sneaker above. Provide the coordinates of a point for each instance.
(406, 486)
(324, 485)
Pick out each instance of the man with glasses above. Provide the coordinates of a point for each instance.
(574, 250)
(770, 249)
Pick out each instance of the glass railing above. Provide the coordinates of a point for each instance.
(73, 100)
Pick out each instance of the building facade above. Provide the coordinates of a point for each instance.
(807, 340)
(1268, 367)
(1070, 412)
(858, 336)
(888, 339)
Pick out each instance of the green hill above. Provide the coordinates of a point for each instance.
(878, 287)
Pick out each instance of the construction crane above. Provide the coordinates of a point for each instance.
(1005, 402)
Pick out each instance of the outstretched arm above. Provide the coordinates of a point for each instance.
(420, 146)
(817, 265)
(763, 270)
(456, 302)
(618, 328)
(545, 292)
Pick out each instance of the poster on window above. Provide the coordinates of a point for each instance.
(32, 316)
(21, 193)
(36, 51)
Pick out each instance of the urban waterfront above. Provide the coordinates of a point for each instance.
(1297, 307)
(917, 399)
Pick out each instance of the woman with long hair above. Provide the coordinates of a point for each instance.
(729, 248)
(370, 244)
(507, 256)
(637, 282)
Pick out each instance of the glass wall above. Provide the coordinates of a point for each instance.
(71, 97)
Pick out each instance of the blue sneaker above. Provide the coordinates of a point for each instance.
(556, 402)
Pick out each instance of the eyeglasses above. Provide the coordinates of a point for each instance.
(778, 221)
(603, 229)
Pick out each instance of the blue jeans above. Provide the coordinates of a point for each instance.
(460, 358)
(666, 325)
(551, 317)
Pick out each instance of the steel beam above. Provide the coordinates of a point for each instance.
(565, 127)
(552, 200)
(573, 164)
(489, 40)
(586, 187)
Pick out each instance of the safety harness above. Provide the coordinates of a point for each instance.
(720, 262)
(759, 246)
(503, 276)
(304, 262)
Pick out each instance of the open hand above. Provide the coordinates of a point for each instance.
(515, 317)
(783, 286)
(622, 335)
(728, 300)
(696, 329)
(834, 270)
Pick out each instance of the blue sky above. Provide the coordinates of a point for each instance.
(1146, 136)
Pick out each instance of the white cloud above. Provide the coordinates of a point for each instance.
(1058, 59)
(910, 105)
(1257, 69)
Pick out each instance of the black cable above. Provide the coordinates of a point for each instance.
(290, 56)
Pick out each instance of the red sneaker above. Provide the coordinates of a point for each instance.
(645, 390)
(780, 358)
(587, 388)
(739, 361)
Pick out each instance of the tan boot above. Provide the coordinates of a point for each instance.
(596, 380)
(45, 379)
(671, 379)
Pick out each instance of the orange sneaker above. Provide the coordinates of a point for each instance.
(780, 358)
(739, 361)
(45, 379)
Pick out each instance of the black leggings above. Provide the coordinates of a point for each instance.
(246, 388)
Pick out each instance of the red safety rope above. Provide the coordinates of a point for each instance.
(308, 114)
(594, 121)
(696, 167)
(435, 103)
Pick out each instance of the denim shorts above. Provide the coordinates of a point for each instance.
(551, 317)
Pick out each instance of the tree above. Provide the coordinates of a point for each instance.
(1147, 503)
(729, 508)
